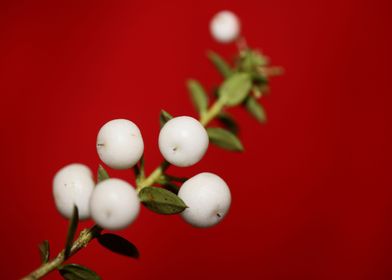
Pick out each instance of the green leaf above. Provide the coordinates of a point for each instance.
(161, 201)
(228, 122)
(175, 178)
(171, 188)
(250, 60)
(198, 95)
(224, 139)
(255, 109)
(102, 174)
(259, 79)
(44, 251)
(164, 117)
(235, 89)
(118, 245)
(221, 65)
(73, 225)
(77, 272)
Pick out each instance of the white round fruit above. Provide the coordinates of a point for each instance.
(73, 185)
(225, 27)
(114, 204)
(183, 141)
(208, 199)
(120, 144)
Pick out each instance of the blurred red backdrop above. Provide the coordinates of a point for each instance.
(312, 192)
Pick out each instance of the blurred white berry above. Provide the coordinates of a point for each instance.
(183, 141)
(120, 144)
(73, 185)
(225, 27)
(114, 204)
(208, 199)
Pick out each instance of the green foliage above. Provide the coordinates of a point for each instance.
(255, 109)
(171, 188)
(164, 117)
(198, 95)
(228, 121)
(250, 60)
(118, 245)
(221, 65)
(44, 251)
(102, 174)
(73, 225)
(78, 272)
(224, 139)
(161, 201)
(235, 89)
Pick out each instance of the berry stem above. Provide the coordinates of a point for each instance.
(85, 237)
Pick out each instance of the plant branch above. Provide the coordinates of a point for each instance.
(85, 237)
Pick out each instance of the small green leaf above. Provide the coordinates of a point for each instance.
(171, 188)
(78, 272)
(73, 225)
(221, 65)
(235, 89)
(44, 251)
(102, 174)
(161, 201)
(224, 139)
(118, 245)
(255, 109)
(259, 79)
(228, 122)
(174, 178)
(164, 117)
(198, 95)
(250, 60)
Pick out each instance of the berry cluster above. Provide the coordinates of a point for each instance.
(114, 204)
(202, 200)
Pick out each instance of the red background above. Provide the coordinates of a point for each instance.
(311, 193)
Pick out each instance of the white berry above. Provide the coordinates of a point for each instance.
(120, 144)
(208, 199)
(73, 185)
(183, 141)
(114, 204)
(225, 27)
